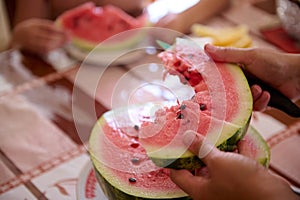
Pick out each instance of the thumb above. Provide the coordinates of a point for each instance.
(229, 54)
(199, 146)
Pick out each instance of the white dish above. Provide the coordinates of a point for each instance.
(87, 186)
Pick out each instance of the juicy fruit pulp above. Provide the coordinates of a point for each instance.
(117, 144)
(123, 168)
(221, 108)
(90, 25)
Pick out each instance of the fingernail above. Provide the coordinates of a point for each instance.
(256, 91)
(210, 48)
(189, 137)
(205, 148)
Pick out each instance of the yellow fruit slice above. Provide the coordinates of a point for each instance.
(222, 36)
(243, 42)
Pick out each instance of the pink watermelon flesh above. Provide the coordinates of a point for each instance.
(186, 61)
(96, 24)
(254, 146)
(220, 109)
(120, 159)
(154, 179)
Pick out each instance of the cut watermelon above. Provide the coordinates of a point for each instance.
(89, 25)
(220, 110)
(131, 147)
(254, 146)
(122, 166)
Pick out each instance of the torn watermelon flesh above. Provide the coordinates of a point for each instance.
(223, 99)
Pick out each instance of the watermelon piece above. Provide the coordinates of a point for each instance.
(121, 164)
(254, 146)
(220, 110)
(90, 25)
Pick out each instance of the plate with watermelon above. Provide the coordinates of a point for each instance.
(102, 34)
(132, 148)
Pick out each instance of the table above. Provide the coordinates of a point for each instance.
(49, 105)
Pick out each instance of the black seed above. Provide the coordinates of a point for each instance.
(182, 107)
(202, 106)
(135, 160)
(180, 116)
(132, 180)
(136, 127)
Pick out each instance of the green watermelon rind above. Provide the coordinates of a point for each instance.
(190, 161)
(110, 185)
(129, 43)
(87, 46)
(114, 193)
(264, 150)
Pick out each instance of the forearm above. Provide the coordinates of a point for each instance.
(132, 7)
(204, 10)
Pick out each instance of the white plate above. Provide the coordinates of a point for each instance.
(87, 185)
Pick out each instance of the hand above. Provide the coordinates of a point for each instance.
(230, 176)
(38, 36)
(279, 70)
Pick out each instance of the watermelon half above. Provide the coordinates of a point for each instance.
(220, 110)
(90, 25)
(122, 167)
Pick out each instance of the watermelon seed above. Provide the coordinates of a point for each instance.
(136, 127)
(182, 107)
(132, 180)
(135, 145)
(202, 106)
(135, 160)
(180, 116)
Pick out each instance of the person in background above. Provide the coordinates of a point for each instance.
(33, 22)
(234, 176)
(199, 13)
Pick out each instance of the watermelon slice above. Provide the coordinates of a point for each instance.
(221, 108)
(254, 146)
(89, 25)
(122, 166)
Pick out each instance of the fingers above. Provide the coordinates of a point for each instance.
(260, 98)
(256, 92)
(226, 54)
(185, 180)
(199, 146)
(262, 103)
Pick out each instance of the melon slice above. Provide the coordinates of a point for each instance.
(254, 146)
(220, 110)
(90, 25)
(122, 166)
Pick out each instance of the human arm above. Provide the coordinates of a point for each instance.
(133, 7)
(280, 70)
(33, 31)
(198, 13)
(230, 176)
